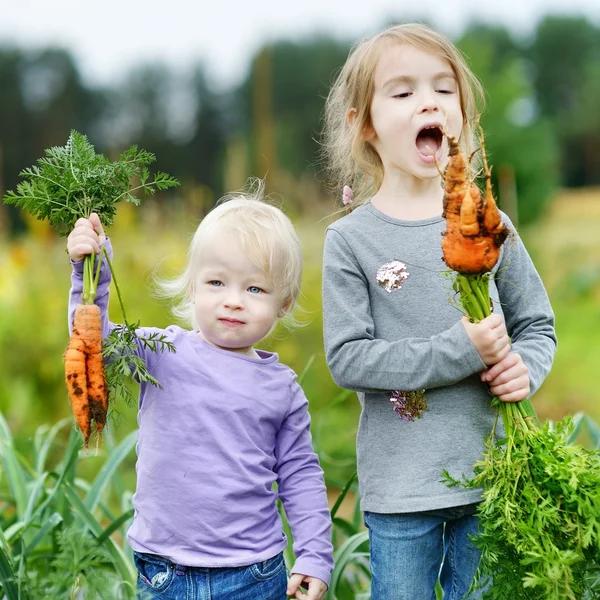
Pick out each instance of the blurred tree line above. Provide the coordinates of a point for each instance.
(542, 122)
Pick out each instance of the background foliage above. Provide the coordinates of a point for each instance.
(543, 128)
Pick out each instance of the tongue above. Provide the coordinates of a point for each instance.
(427, 144)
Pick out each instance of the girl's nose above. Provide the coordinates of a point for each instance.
(233, 300)
(429, 102)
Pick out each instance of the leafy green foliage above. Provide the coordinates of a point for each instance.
(72, 181)
(80, 565)
(58, 535)
(539, 521)
(121, 349)
(540, 515)
(61, 537)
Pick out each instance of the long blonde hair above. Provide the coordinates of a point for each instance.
(352, 161)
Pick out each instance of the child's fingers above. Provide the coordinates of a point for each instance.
(500, 367)
(316, 590)
(97, 225)
(86, 238)
(517, 396)
(513, 390)
(82, 222)
(513, 367)
(78, 251)
(83, 227)
(293, 583)
(494, 321)
(499, 351)
(82, 244)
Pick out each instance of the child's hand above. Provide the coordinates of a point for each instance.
(508, 379)
(489, 337)
(86, 238)
(316, 587)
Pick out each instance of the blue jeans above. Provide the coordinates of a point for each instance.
(410, 551)
(161, 579)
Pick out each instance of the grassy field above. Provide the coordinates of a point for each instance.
(565, 247)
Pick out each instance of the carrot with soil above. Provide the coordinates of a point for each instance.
(72, 182)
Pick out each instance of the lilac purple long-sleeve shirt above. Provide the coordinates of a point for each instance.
(212, 442)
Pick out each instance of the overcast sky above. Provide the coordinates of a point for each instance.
(107, 37)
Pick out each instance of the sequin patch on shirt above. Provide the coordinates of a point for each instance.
(392, 275)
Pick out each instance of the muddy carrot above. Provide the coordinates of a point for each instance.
(469, 246)
(76, 378)
(84, 370)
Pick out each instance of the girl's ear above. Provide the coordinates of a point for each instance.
(368, 133)
(351, 116)
(284, 308)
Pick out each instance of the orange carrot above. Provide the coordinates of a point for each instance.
(84, 370)
(469, 223)
(474, 228)
(455, 180)
(75, 372)
(96, 389)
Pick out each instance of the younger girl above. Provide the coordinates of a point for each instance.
(391, 330)
(228, 423)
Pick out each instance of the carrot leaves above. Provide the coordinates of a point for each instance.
(121, 351)
(72, 181)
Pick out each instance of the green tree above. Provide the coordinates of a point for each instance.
(300, 75)
(43, 98)
(519, 139)
(566, 55)
(177, 117)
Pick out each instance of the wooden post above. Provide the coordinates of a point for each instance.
(3, 224)
(263, 117)
(507, 190)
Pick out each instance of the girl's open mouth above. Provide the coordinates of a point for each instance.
(429, 143)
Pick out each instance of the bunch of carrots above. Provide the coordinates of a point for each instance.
(473, 239)
(539, 520)
(68, 183)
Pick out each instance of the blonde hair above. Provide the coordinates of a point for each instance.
(350, 159)
(266, 235)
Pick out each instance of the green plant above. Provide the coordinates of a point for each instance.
(58, 532)
(540, 515)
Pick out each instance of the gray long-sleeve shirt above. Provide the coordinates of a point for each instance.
(409, 338)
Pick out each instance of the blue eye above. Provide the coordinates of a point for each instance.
(253, 289)
(215, 283)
